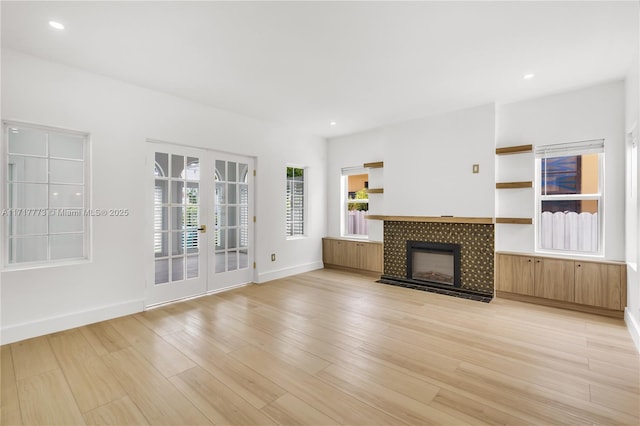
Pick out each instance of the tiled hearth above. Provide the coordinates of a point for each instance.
(477, 251)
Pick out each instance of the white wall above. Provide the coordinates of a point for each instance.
(120, 117)
(632, 124)
(427, 167)
(590, 113)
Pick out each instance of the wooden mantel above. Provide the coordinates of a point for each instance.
(434, 219)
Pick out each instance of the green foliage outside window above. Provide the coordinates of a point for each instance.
(360, 195)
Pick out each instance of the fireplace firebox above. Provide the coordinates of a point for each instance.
(433, 263)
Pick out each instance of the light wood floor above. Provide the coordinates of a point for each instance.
(328, 347)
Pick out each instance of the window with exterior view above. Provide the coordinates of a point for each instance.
(295, 201)
(570, 197)
(357, 204)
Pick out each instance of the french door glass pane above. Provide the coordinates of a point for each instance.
(231, 169)
(244, 194)
(193, 196)
(221, 174)
(177, 192)
(161, 244)
(232, 260)
(220, 262)
(232, 240)
(177, 243)
(192, 267)
(177, 269)
(177, 218)
(244, 237)
(221, 239)
(177, 166)
(162, 164)
(231, 197)
(162, 271)
(232, 219)
(161, 192)
(243, 258)
(193, 169)
(160, 218)
(243, 172)
(221, 197)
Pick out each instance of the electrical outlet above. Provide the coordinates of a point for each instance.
(476, 168)
(273, 257)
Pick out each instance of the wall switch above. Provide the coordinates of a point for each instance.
(476, 168)
(273, 257)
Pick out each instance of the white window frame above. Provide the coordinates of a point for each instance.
(7, 125)
(305, 175)
(595, 146)
(344, 200)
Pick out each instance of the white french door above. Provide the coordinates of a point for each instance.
(179, 247)
(231, 254)
(202, 222)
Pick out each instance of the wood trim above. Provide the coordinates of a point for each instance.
(520, 149)
(375, 190)
(433, 219)
(374, 165)
(512, 185)
(560, 304)
(515, 220)
(353, 270)
(355, 240)
(574, 258)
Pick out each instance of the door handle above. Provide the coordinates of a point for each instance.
(203, 228)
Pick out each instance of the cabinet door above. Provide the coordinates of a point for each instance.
(334, 252)
(598, 284)
(554, 279)
(327, 251)
(370, 257)
(514, 274)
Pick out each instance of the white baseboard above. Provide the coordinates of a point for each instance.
(633, 326)
(15, 333)
(287, 272)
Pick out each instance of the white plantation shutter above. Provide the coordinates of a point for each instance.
(295, 201)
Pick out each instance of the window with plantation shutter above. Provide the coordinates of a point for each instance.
(295, 201)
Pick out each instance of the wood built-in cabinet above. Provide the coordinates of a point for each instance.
(365, 256)
(590, 286)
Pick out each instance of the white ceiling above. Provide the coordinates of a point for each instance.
(362, 64)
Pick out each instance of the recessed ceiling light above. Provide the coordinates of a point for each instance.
(528, 76)
(56, 25)
(333, 123)
(14, 130)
